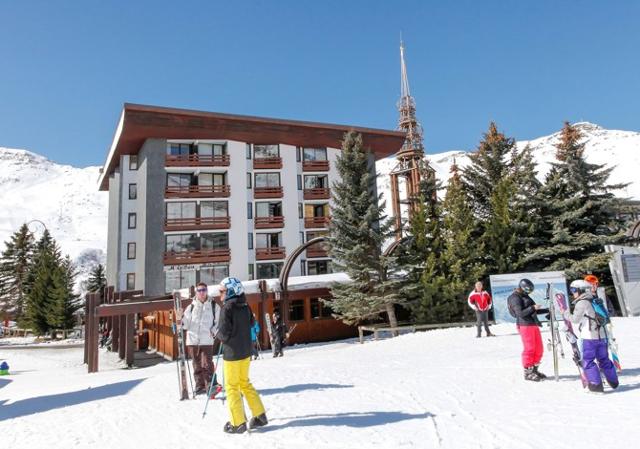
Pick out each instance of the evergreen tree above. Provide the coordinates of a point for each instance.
(65, 303)
(14, 269)
(499, 237)
(97, 279)
(358, 231)
(581, 212)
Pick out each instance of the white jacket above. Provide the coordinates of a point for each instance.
(583, 315)
(199, 320)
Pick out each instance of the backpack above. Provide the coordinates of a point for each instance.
(602, 314)
(511, 311)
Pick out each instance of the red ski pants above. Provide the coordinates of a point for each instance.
(532, 342)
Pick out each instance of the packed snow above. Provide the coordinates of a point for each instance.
(443, 389)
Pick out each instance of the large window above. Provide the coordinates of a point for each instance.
(318, 267)
(216, 149)
(263, 151)
(181, 243)
(316, 182)
(315, 154)
(269, 240)
(269, 209)
(178, 180)
(181, 210)
(268, 270)
(319, 309)
(176, 149)
(316, 210)
(131, 281)
(213, 275)
(214, 209)
(296, 310)
(267, 180)
(133, 191)
(214, 240)
(212, 179)
(177, 279)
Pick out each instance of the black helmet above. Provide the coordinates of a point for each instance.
(526, 285)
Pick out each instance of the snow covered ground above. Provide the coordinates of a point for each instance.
(437, 389)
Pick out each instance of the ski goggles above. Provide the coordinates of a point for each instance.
(573, 290)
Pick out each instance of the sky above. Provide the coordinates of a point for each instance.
(67, 67)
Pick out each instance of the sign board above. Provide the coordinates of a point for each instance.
(631, 267)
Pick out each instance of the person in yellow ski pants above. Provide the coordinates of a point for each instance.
(237, 385)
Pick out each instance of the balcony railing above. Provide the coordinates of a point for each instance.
(197, 160)
(317, 194)
(315, 166)
(275, 252)
(268, 162)
(217, 191)
(197, 256)
(317, 250)
(316, 222)
(267, 192)
(192, 224)
(268, 222)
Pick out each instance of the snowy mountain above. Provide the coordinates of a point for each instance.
(602, 146)
(64, 198)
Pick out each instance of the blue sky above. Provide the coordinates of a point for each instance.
(67, 67)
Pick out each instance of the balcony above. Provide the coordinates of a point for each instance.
(274, 163)
(275, 252)
(315, 166)
(268, 222)
(194, 224)
(218, 191)
(196, 160)
(197, 256)
(316, 222)
(267, 192)
(317, 250)
(317, 194)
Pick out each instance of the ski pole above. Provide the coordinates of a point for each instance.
(213, 379)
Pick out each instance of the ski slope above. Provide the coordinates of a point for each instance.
(439, 389)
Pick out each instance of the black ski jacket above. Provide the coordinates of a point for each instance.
(522, 306)
(234, 329)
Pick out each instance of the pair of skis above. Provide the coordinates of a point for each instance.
(571, 337)
(555, 344)
(184, 372)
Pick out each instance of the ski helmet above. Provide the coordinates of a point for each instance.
(233, 286)
(526, 285)
(580, 286)
(592, 279)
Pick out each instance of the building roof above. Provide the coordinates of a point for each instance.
(140, 122)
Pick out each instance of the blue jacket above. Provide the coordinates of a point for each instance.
(255, 329)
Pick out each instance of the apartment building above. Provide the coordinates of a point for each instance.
(197, 196)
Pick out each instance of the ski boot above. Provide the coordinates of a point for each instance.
(540, 375)
(613, 384)
(228, 428)
(214, 390)
(258, 421)
(530, 374)
(596, 388)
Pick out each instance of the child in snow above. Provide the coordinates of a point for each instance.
(526, 311)
(594, 338)
(234, 331)
(480, 301)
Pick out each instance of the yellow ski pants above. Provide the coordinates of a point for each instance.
(236, 385)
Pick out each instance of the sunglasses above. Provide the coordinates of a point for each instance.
(201, 290)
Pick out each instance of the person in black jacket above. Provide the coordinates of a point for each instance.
(234, 331)
(279, 334)
(526, 311)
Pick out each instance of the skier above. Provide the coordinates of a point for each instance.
(234, 332)
(255, 330)
(279, 334)
(594, 338)
(480, 302)
(526, 311)
(595, 283)
(199, 320)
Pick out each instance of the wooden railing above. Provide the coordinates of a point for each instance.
(197, 256)
(317, 250)
(207, 191)
(317, 194)
(275, 252)
(268, 222)
(194, 160)
(315, 166)
(267, 192)
(268, 162)
(316, 222)
(188, 224)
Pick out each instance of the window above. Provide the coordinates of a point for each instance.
(298, 151)
(318, 267)
(296, 310)
(133, 220)
(248, 151)
(131, 250)
(267, 180)
(133, 191)
(299, 182)
(177, 279)
(251, 272)
(249, 211)
(269, 240)
(216, 149)
(248, 180)
(268, 270)
(316, 182)
(314, 234)
(250, 239)
(316, 210)
(210, 209)
(315, 154)
(269, 209)
(179, 243)
(301, 238)
(178, 210)
(131, 281)
(319, 309)
(300, 209)
(133, 162)
(213, 275)
(176, 149)
(212, 179)
(214, 240)
(264, 151)
(303, 268)
(179, 180)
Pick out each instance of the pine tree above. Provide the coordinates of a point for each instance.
(65, 303)
(14, 269)
(581, 212)
(97, 279)
(358, 231)
(499, 237)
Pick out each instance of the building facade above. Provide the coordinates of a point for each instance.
(197, 196)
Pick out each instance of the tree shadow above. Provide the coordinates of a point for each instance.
(301, 387)
(352, 419)
(41, 404)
